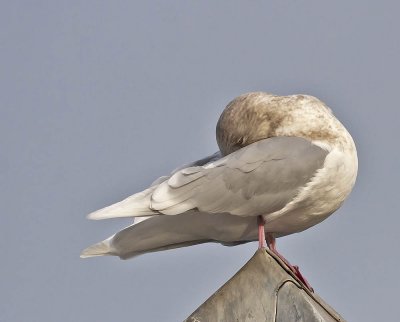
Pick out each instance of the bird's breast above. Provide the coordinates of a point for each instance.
(324, 194)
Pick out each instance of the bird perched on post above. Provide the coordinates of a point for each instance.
(284, 164)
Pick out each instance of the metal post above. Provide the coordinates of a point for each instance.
(264, 289)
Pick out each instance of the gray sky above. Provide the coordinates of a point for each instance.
(98, 98)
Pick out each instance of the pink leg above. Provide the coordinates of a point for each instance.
(295, 269)
(261, 232)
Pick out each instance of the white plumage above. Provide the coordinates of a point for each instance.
(286, 158)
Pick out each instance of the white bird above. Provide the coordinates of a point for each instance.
(285, 162)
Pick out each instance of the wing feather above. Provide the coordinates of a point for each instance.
(138, 204)
(257, 179)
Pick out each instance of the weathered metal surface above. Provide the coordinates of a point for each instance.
(264, 290)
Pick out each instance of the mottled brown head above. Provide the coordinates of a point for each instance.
(256, 116)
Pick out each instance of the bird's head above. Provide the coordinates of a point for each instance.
(256, 116)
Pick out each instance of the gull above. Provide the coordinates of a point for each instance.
(285, 163)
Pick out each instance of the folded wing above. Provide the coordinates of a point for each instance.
(258, 179)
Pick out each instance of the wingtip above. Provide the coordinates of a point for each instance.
(100, 214)
(93, 216)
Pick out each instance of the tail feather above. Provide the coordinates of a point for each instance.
(99, 249)
(162, 232)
